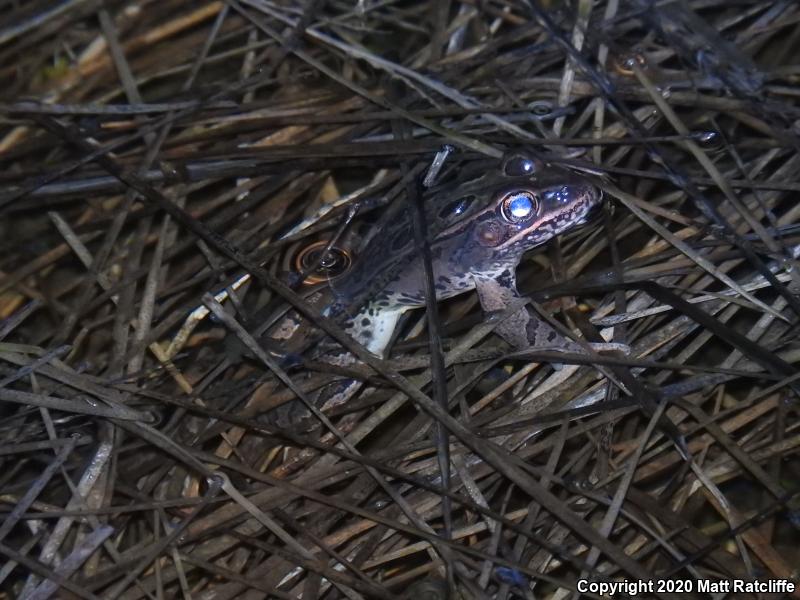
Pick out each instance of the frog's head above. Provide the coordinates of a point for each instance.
(526, 204)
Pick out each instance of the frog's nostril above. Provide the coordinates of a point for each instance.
(564, 195)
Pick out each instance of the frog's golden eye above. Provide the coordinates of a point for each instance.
(518, 165)
(519, 206)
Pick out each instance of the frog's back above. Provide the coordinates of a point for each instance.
(391, 250)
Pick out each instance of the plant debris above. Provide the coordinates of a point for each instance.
(173, 172)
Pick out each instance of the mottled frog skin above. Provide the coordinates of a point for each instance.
(478, 232)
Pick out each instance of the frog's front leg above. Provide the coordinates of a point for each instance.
(521, 330)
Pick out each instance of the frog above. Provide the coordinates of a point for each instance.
(479, 228)
(480, 231)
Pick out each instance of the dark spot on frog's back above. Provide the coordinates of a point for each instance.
(365, 322)
(505, 279)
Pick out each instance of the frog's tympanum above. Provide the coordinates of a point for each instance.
(478, 231)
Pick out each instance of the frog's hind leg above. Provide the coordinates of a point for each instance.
(372, 328)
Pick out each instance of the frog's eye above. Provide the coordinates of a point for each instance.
(517, 165)
(519, 206)
(457, 208)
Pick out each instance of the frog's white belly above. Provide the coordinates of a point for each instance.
(375, 323)
(374, 331)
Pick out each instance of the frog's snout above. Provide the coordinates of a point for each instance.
(592, 194)
(595, 199)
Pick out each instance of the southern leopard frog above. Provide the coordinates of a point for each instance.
(478, 231)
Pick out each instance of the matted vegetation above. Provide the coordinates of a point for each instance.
(154, 152)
